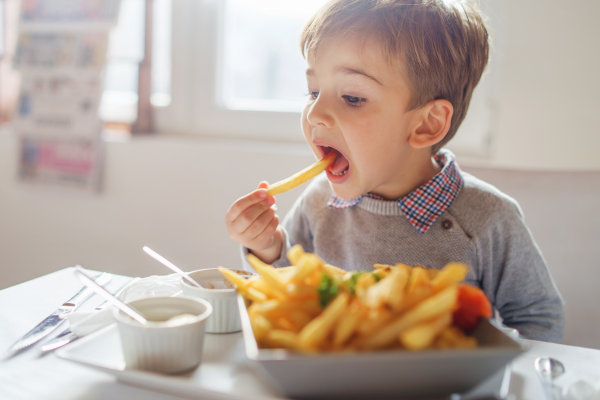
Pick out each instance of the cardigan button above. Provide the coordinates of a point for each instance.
(446, 224)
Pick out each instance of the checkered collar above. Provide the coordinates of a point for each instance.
(422, 206)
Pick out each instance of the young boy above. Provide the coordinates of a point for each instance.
(389, 84)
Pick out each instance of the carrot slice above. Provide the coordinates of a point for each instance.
(472, 305)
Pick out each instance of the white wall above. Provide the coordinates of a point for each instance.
(544, 65)
(171, 193)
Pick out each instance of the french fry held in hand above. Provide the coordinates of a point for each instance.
(302, 176)
(315, 307)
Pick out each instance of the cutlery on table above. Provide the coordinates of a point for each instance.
(67, 336)
(54, 320)
(99, 289)
(170, 265)
(548, 370)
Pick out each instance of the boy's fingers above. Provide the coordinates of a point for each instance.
(265, 238)
(260, 223)
(245, 202)
(245, 220)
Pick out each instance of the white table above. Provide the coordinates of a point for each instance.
(28, 376)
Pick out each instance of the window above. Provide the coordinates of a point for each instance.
(231, 76)
(237, 72)
(263, 70)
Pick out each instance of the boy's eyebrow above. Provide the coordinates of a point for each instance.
(354, 71)
(348, 71)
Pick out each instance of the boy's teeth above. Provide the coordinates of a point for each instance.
(341, 173)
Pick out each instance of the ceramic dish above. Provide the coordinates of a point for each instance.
(163, 345)
(393, 373)
(217, 290)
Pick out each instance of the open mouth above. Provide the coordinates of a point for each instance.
(340, 166)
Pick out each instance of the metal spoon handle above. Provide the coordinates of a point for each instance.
(170, 265)
(89, 282)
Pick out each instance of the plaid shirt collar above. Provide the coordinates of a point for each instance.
(426, 203)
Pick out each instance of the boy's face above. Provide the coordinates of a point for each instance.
(358, 106)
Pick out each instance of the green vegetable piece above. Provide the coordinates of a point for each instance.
(327, 289)
(351, 283)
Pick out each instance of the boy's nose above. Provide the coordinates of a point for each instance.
(318, 113)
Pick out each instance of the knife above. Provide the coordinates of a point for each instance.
(67, 336)
(54, 320)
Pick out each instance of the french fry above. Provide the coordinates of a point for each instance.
(334, 271)
(279, 338)
(382, 266)
(453, 338)
(294, 254)
(415, 296)
(301, 292)
(268, 291)
(422, 335)
(306, 264)
(243, 285)
(235, 279)
(260, 326)
(374, 321)
(267, 272)
(299, 319)
(451, 274)
(253, 294)
(302, 176)
(276, 308)
(388, 291)
(315, 332)
(431, 307)
(419, 277)
(347, 323)
(363, 283)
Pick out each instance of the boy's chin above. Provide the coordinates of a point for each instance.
(343, 193)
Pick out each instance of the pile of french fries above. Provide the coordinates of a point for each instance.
(315, 307)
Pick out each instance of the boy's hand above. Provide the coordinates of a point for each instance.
(252, 222)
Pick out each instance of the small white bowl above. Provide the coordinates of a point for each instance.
(160, 346)
(221, 294)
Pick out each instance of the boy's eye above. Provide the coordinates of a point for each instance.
(313, 95)
(354, 100)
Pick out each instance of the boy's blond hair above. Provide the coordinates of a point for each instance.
(443, 43)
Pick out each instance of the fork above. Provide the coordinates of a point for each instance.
(67, 336)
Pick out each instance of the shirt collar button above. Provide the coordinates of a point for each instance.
(446, 224)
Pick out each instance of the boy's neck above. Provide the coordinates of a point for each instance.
(421, 171)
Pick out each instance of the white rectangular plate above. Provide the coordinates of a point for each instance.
(225, 372)
(390, 373)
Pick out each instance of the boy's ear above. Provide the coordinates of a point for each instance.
(432, 125)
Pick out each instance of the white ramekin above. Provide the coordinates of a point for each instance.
(157, 346)
(220, 294)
